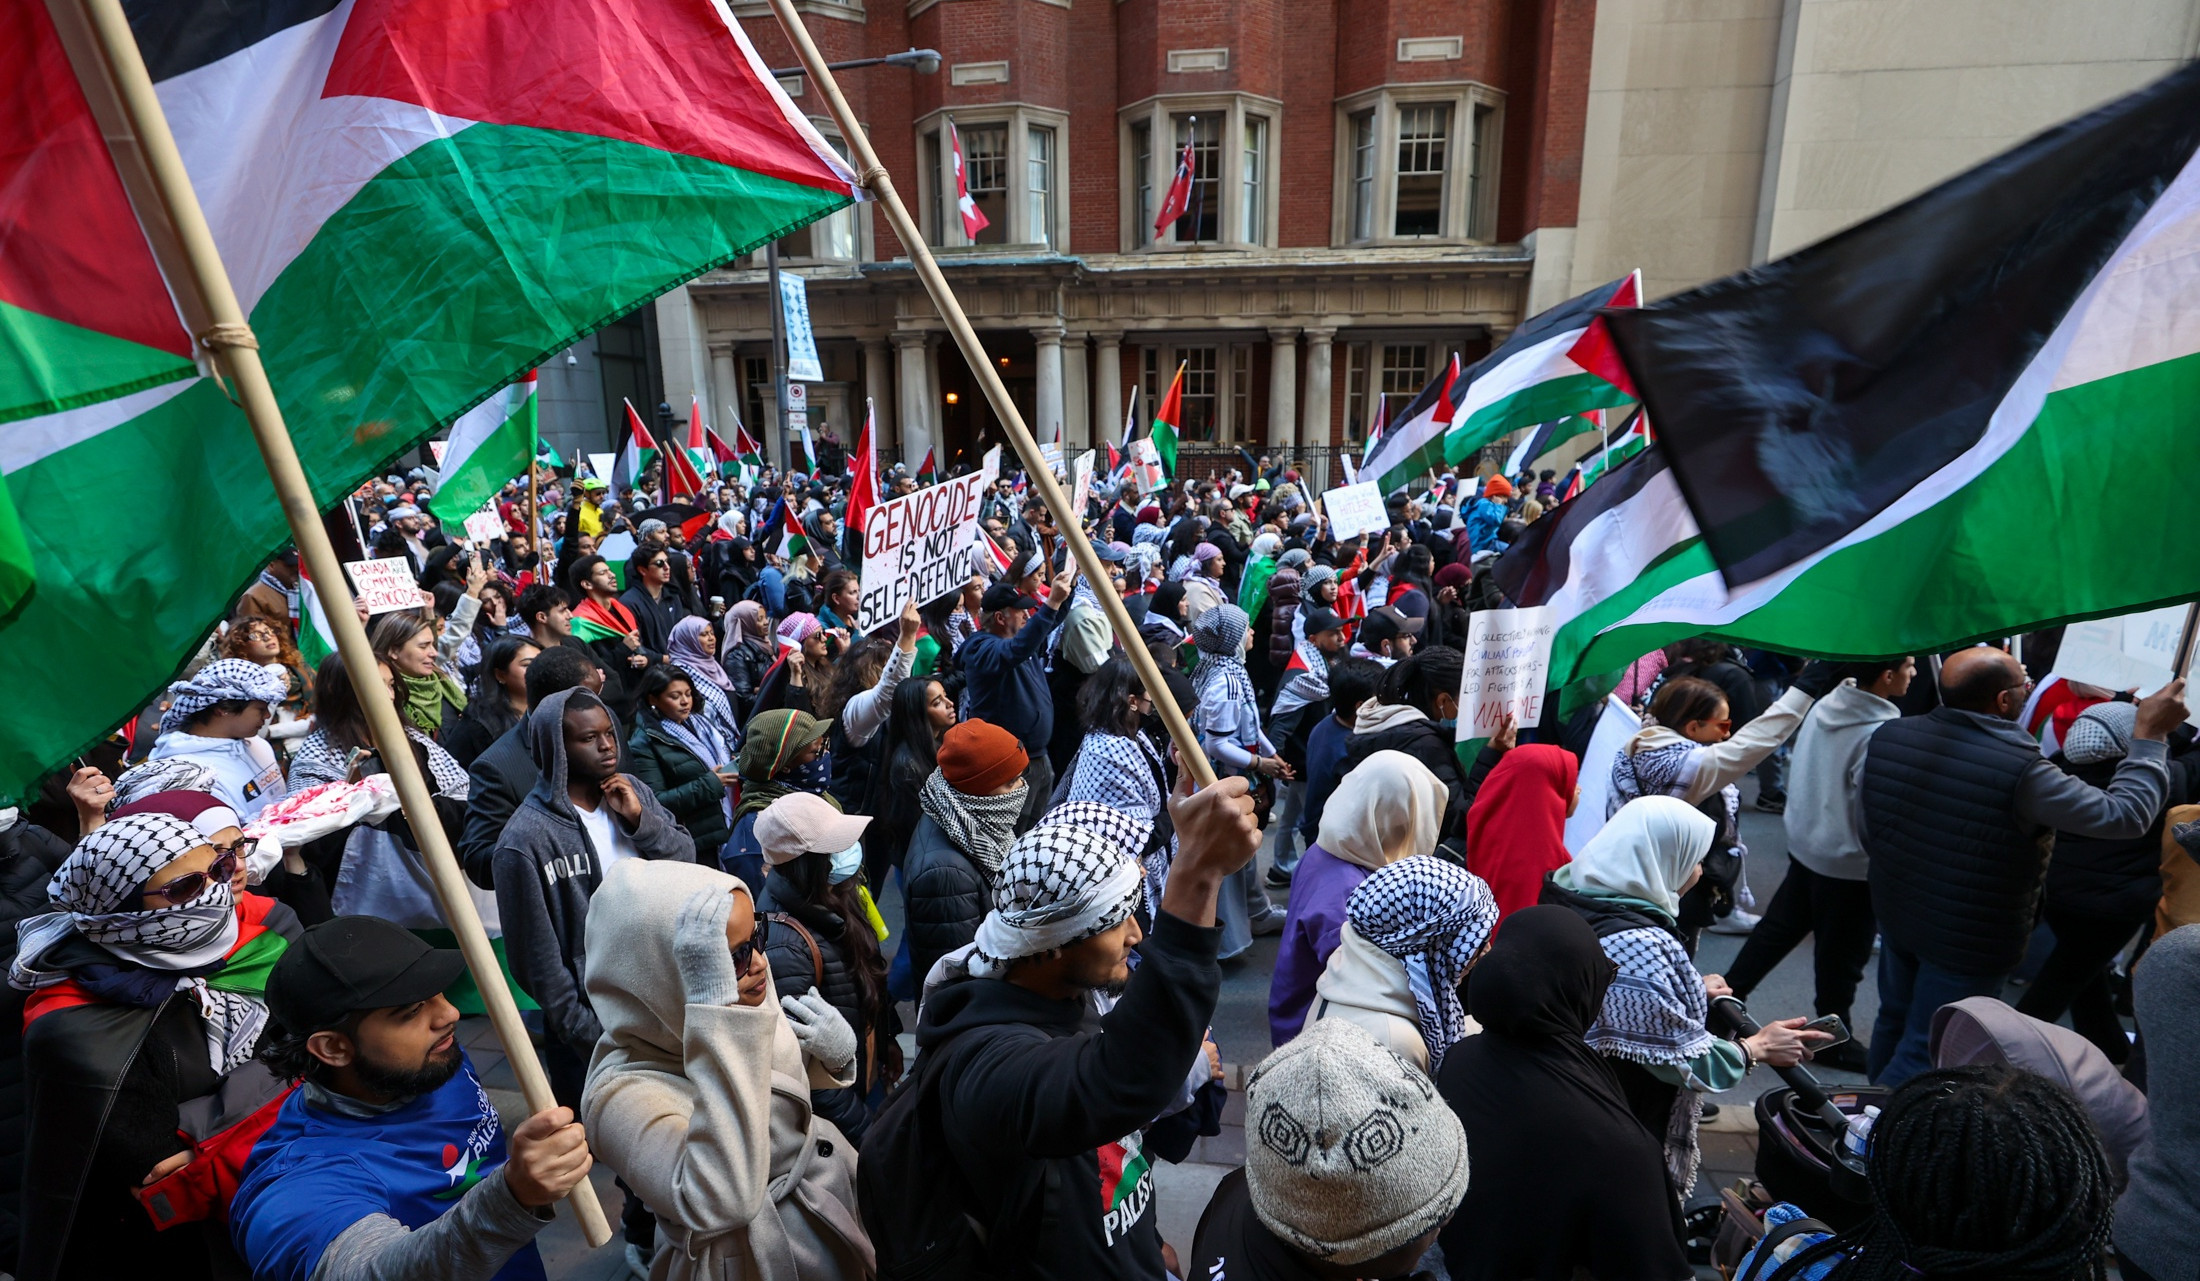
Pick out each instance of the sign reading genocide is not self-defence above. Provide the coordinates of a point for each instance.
(917, 548)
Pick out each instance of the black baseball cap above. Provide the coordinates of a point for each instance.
(1323, 620)
(1004, 595)
(1386, 623)
(354, 963)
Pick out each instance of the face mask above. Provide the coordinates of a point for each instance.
(847, 863)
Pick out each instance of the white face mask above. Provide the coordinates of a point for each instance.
(847, 863)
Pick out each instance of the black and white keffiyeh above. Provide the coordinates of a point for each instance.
(1059, 885)
(1221, 676)
(318, 760)
(982, 827)
(1126, 829)
(1126, 773)
(1657, 771)
(97, 888)
(1433, 916)
(220, 680)
(167, 774)
(1654, 1014)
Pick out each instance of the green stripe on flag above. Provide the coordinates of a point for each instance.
(490, 444)
(1541, 402)
(589, 632)
(69, 365)
(18, 577)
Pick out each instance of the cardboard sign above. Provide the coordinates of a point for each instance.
(917, 547)
(386, 585)
(1082, 493)
(1051, 455)
(438, 448)
(599, 466)
(1355, 510)
(992, 468)
(2132, 652)
(485, 526)
(1146, 461)
(1508, 657)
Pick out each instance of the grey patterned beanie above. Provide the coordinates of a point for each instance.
(2101, 733)
(1349, 1151)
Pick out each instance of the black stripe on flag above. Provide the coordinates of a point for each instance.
(1574, 313)
(1537, 565)
(1799, 399)
(180, 35)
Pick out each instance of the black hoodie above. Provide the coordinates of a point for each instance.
(1033, 1080)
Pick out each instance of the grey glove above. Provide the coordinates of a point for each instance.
(824, 1034)
(699, 949)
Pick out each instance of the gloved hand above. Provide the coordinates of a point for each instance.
(824, 1034)
(1817, 678)
(699, 949)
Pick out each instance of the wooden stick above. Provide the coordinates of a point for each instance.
(873, 176)
(235, 349)
(2185, 641)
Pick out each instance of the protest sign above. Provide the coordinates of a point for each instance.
(599, 466)
(917, 548)
(2135, 651)
(385, 585)
(1508, 657)
(1051, 455)
(1082, 493)
(438, 448)
(485, 525)
(992, 468)
(1355, 510)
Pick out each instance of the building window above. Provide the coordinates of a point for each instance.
(1198, 407)
(831, 238)
(1405, 372)
(1480, 146)
(935, 164)
(1149, 379)
(1419, 198)
(1039, 185)
(985, 167)
(1142, 180)
(1202, 220)
(1363, 175)
(1241, 392)
(1254, 162)
(1356, 416)
(756, 377)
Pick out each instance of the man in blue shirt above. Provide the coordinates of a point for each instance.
(388, 1161)
(1006, 667)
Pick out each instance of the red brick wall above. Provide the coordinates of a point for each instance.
(1306, 147)
(1094, 146)
(1541, 185)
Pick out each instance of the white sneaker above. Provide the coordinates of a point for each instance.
(1738, 921)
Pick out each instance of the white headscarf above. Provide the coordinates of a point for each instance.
(1389, 807)
(1645, 851)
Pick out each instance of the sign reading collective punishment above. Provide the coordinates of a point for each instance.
(1508, 658)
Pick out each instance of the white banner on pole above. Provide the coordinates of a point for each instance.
(1355, 510)
(386, 585)
(794, 302)
(1508, 658)
(917, 547)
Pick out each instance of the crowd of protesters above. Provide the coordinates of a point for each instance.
(682, 782)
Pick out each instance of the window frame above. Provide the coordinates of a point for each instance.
(1159, 115)
(938, 220)
(856, 214)
(1473, 168)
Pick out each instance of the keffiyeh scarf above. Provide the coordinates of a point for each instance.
(96, 888)
(982, 827)
(1433, 916)
(1222, 678)
(1654, 1013)
(218, 681)
(1059, 885)
(168, 774)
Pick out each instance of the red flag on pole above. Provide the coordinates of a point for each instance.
(973, 219)
(1179, 199)
(681, 478)
(863, 482)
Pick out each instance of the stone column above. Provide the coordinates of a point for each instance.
(1107, 377)
(878, 384)
(915, 384)
(1048, 410)
(1077, 395)
(726, 400)
(1315, 409)
(1283, 390)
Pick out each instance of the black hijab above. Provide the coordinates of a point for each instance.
(1585, 1185)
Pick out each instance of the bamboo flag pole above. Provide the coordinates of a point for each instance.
(873, 175)
(234, 348)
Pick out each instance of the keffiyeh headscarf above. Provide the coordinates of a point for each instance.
(1059, 885)
(96, 888)
(686, 650)
(1221, 676)
(167, 774)
(797, 628)
(220, 680)
(982, 827)
(1127, 830)
(1433, 916)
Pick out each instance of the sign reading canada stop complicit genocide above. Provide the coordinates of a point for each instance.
(384, 585)
(917, 548)
(1508, 658)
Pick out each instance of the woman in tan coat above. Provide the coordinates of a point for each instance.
(699, 1093)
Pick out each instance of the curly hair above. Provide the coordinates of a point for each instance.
(240, 629)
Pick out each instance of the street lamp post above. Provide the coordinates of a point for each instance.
(924, 62)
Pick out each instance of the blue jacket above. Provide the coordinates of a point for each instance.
(1008, 681)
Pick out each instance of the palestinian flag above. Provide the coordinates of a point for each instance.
(637, 450)
(793, 539)
(722, 457)
(490, 444)
(1381, 424)
(595, 620)
(1399, 451)
(316, 639)
(863, 477)
(1538, 444)
(416, 202)
(1166, 421)
(745, 449)
(1595, 465)
(988, 557)
(928, 470)
(546, 456)
(1557, 363)
(686, 462)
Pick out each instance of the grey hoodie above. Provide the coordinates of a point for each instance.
(546, 871)
(1822, 794)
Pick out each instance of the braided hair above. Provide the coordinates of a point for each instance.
(1986, 1171)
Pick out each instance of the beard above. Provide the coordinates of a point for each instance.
(409, 1083)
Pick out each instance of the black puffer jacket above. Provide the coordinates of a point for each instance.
(682, 781)
(1397, 728)
(946, 894)
(2116, 880)
(795, 971)
(28, 856)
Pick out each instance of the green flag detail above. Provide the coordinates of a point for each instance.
(490, 444)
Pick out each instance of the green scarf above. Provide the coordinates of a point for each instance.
(422, 699)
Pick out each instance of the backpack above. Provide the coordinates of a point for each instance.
(920, 1213)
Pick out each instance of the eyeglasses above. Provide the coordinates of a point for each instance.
(753, 944)
(190, 885)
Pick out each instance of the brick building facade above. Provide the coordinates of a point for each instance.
(1371, 176)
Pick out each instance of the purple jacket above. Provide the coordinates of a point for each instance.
(1311, 928)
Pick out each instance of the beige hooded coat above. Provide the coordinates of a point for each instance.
(704, 1110)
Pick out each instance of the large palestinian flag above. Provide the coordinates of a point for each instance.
(1558, 362)
(417, 200)
(2034, 405)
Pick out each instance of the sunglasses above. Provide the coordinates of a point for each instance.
(190, 885)
(754, 944)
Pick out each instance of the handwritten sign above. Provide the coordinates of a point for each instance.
(1508, 658)
(485, 526)
(1146, 460)
(917, 548)
(1082, 494)
(1051, 455)
(1355, 510)
(386, 585)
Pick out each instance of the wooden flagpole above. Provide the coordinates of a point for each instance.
(873, 176)
(234, 348)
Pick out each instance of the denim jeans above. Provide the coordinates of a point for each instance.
(1910, 992)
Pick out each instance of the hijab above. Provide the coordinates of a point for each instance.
(1644, 852)
(744, 620)
(1432, 916)
(1516, 828)
(1529, 1086)
(685, 649)
(1389, 807)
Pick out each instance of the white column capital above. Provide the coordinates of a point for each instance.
(1283, 333)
